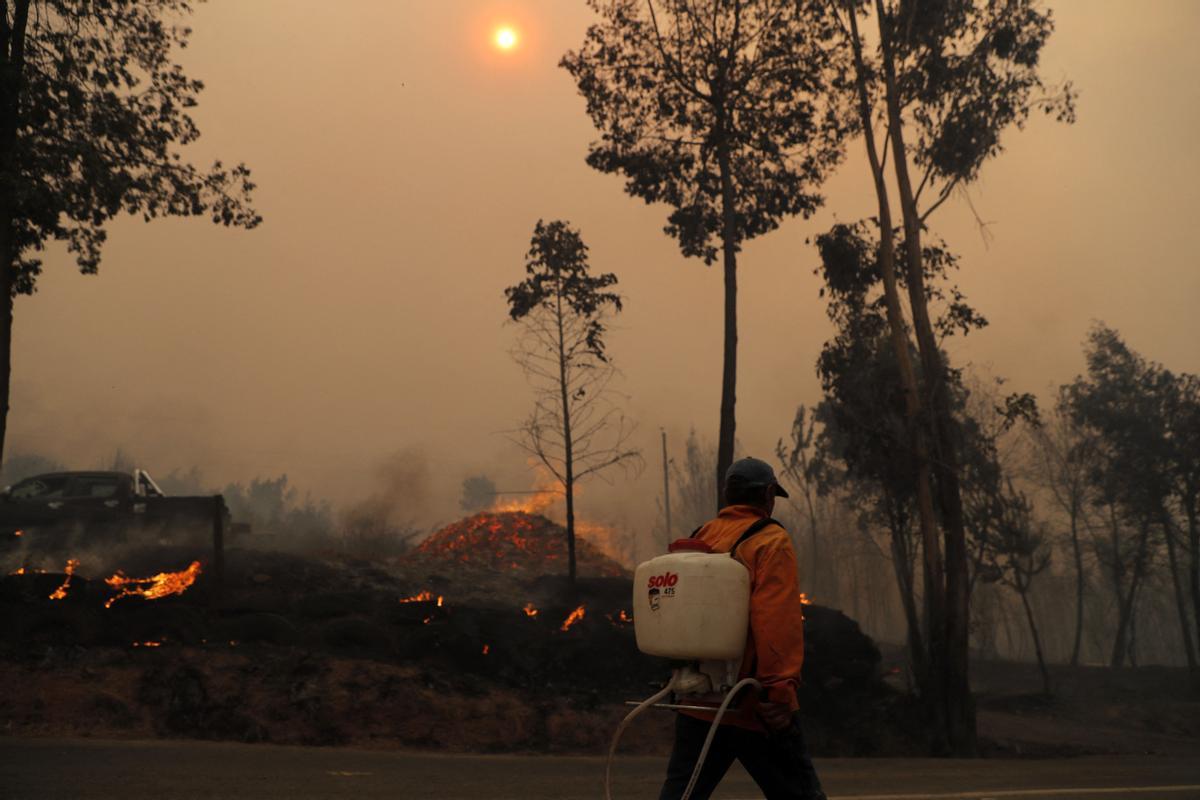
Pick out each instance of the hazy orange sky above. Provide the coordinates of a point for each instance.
(402, 162)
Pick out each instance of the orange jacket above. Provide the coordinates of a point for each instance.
(775, 641)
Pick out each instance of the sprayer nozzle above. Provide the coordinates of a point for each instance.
(689, 680)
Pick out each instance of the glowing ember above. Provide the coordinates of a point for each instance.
(18, 534)
(161, 585)
(529, 610)
(61, 591)
(27, 571)
(423, 597)
(624, 617)
(804, 599)
(549, 493)
(510, 542)
(485, 649)
(147, 644)
(572, 618)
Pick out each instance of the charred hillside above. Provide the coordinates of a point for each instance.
(476, 623)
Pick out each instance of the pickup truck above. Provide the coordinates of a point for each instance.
(69, 508)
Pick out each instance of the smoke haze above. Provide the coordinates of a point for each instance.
(401, 165)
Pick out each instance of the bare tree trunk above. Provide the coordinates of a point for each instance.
(1037, 640)
(568, 455)
(7, 270)
(1009, 636)
(1133, 623)
(1194, 569)
(1125, 612)
(727, 431)
(730, 362)
(12, 84)
(1180, 598)
(854, 590)
(666, 487)
(960, 711)
(1078, 553)
(904, 578)
(813, 570)
(1117, 658)
(929, 677)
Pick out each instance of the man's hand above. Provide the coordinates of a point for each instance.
(776, 716)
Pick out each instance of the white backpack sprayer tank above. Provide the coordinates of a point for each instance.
(691, 605)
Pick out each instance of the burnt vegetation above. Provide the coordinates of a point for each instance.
(463, 642)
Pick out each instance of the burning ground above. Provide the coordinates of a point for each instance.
(472, 641)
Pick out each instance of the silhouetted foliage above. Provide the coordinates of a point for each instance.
(714, 108)
(1015, 550)
(1142, 420)
(965, 73)
(559, 283)
(93, 111)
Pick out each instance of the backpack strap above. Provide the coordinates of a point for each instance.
(754, 528)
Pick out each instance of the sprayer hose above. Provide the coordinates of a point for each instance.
(612, 749)
(712, 731)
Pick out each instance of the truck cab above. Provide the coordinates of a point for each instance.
(105, 505)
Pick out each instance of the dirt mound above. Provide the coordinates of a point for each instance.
(523, 544)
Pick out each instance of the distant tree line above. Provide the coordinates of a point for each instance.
(1080, 522)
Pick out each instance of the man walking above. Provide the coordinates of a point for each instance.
(762, 732)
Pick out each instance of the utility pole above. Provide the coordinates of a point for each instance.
(666, 485)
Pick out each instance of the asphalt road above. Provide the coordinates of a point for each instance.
(86, 769)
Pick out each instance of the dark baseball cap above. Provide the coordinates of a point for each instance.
(751, 473)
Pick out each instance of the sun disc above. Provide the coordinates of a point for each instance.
(506, 38)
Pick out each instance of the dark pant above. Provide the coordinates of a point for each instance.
(778, 763)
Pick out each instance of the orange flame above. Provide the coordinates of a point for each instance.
(423, 597)
(804, 599)
(608, 540)
(485, 649)
(61, 591)
(625, 617)
(572, 618)
(18, 534)
(530, 611)
(161, 585)
(534, 503)
(147, 644)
